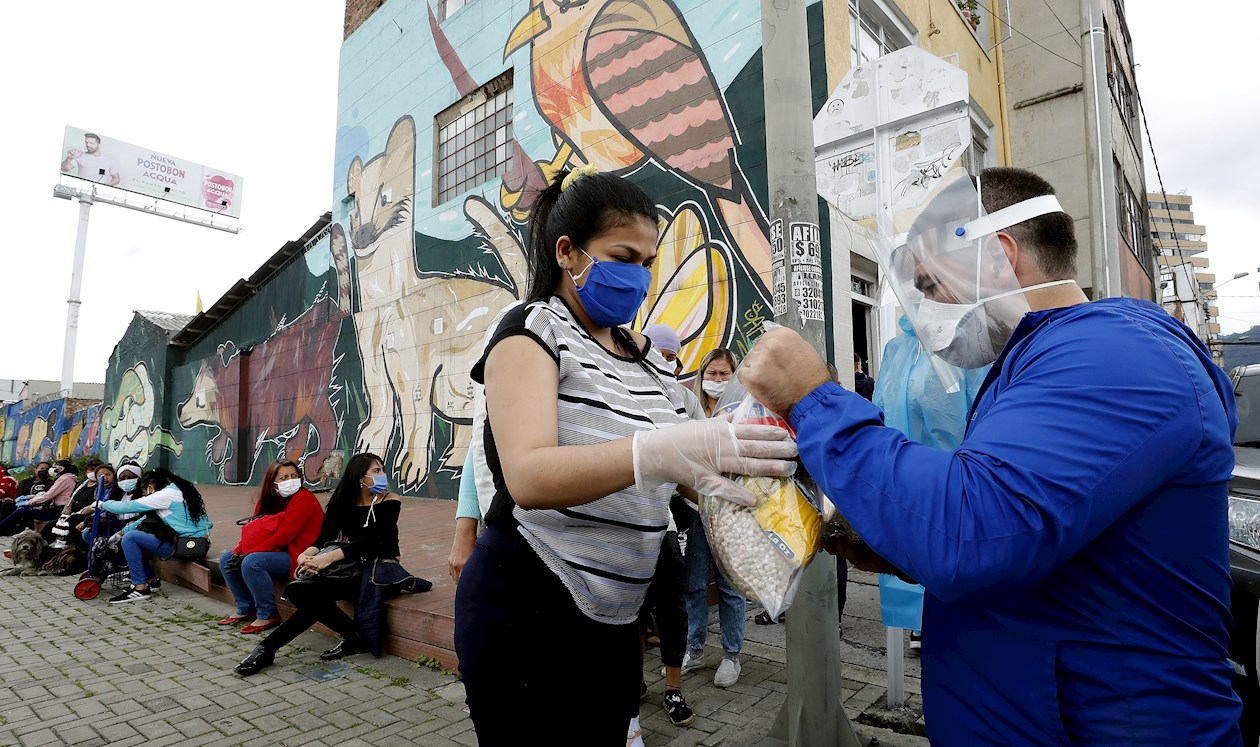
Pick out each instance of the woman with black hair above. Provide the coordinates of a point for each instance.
(360, 526)
(171, 508)
(286, 520)
(586, 436)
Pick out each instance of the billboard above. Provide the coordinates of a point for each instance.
(88, 155)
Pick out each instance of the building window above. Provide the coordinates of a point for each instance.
(873, 32)
(473, 138)
(448, 7)
(859, 286)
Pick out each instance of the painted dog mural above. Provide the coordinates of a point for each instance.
(419, 334)
(289, 390)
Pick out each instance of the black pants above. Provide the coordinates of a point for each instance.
(532, 663)
(316, 601)
(665, 602)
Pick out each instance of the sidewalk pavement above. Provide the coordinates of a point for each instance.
(158, 672)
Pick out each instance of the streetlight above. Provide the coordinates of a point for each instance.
(1227, 282)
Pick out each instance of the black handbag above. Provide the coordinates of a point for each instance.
(191, 548)
(344, 568)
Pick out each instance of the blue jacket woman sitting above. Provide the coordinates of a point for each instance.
(171, 507)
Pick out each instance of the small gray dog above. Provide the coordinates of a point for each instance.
(30, 550)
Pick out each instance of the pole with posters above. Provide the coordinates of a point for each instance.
(814, 711)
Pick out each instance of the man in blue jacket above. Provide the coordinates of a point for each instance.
(1074, 546)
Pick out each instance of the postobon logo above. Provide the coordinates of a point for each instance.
(218, 193)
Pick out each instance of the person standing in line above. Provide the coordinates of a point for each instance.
(582, 436)
(715, 372)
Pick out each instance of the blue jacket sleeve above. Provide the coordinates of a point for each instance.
(468, 507)
(1075, 439)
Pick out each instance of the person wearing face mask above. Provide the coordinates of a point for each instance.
(286, 521)
(586, 437)
(170, 507)
(84, 494)
(359, 530)
(80, 522)
(715, 372)
(1072, 546)
(44, 505)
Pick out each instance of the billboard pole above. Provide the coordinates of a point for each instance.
(76, 284)
(814, 712)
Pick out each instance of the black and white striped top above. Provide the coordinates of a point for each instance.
(605, 551)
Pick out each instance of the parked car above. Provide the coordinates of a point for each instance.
(1244, 548)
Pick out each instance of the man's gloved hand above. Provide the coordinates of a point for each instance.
(697, 453)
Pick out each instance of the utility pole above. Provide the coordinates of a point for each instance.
(814, 711)
(1100, 176)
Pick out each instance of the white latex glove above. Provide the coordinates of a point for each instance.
(696, 454)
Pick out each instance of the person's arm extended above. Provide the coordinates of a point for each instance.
(522, 382)
(159, 500)
(59, 488)
(1069, 447)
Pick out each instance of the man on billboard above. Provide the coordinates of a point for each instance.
(90, 163)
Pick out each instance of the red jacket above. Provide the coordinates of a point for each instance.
(8, 486)
(292, 530)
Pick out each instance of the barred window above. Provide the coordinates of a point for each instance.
(473, 139)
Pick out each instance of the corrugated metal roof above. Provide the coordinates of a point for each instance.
(166, 320)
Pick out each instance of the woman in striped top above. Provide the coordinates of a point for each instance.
(586, 437)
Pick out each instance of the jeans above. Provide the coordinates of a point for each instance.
(135, 545)
(23, 518)
(731, 605)
(251, 583)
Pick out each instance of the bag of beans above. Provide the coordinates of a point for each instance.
(763, 549)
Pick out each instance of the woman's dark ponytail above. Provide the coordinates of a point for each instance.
(591, 204)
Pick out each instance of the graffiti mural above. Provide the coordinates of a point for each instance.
(286, 383)
(44, 431)
(363, 336)
(418, 333)
(130, 421)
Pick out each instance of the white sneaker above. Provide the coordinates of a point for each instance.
(727, 673)
(690, 663)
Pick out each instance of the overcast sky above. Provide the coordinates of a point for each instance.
(251, 88)
(247, 87)
(1199, 93)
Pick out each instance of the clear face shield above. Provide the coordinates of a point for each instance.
(952, 277)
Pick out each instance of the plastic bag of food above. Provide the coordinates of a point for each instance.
(763, 549)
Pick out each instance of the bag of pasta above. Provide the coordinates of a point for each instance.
(763, 549)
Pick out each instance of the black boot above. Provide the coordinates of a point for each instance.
(345, 647)
(258, 660)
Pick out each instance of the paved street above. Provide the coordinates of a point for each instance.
(159, 673)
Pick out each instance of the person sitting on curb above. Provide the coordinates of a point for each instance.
(286, 521)
(46, 505)
(353, 558)
(172, 508)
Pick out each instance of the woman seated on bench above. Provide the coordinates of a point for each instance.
(171, 508)
(286, 521)
(359, 536)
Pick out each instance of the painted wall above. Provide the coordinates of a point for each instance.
(273, 380)
(45, 431)
(366, 341)
(663, 92)
(132, 422)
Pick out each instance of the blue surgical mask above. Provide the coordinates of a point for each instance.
(128, 486)
(380, 484)
(613, 292)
